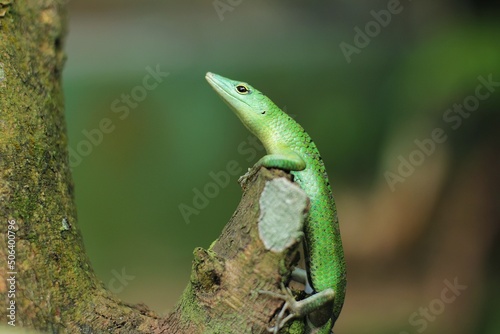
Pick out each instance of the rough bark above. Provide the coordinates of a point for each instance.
(222, 296)
(55, 287)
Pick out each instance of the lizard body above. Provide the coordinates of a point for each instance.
(290, 148)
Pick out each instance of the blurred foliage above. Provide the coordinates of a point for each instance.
(362, 115)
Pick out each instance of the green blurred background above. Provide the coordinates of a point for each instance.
(406, 239)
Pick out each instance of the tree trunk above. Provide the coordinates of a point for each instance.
(47, 282)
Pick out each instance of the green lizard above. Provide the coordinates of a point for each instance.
(290, 148)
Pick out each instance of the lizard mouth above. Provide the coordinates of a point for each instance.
(214, 83)
(223, 89)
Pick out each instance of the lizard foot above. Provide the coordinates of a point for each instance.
(243, 180)
(317, 307)
(291, 306)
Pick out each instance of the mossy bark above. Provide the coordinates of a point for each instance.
(55, 287)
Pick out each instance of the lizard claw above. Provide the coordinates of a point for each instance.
(290, 306)
(243, 180)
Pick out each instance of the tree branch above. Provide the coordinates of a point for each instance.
(54, 287)
(254, 251)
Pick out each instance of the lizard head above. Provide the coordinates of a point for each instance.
(251, 106)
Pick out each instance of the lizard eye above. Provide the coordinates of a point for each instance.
(242, 89)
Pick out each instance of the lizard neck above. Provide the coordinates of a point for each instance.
(270, 131)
